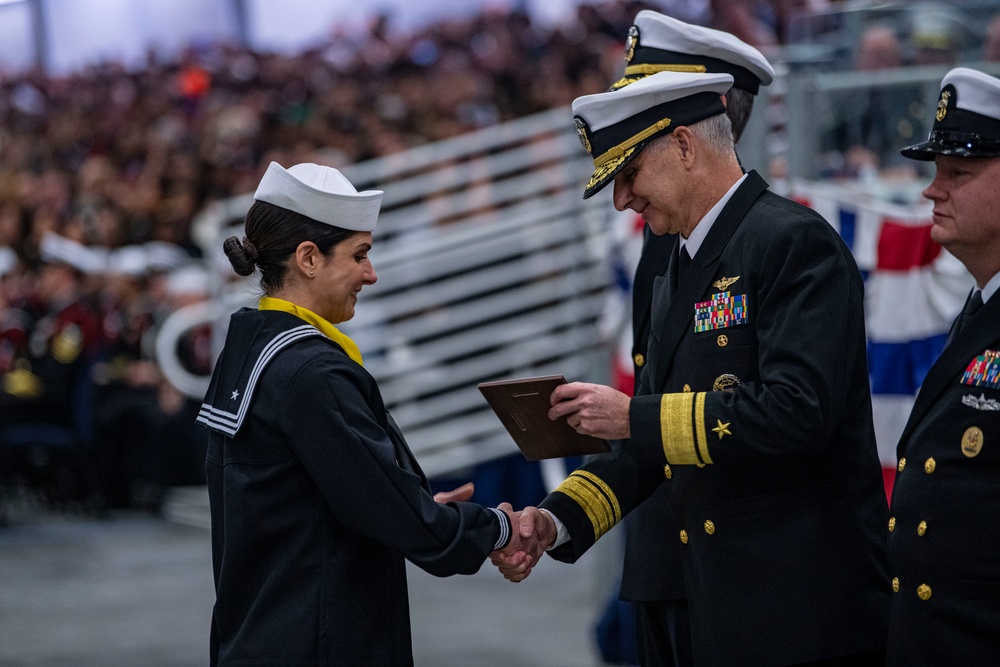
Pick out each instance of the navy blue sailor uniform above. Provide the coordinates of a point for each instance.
(754, 411)
(316, 500)
(943, 532)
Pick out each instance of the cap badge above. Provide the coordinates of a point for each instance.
(581, 130)
(630, 43)
(723, 283)
(942, 105)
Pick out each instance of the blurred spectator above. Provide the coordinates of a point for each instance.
(873, 124)
(938, 33)
(991, 45)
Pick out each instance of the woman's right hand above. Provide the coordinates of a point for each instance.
(459, 495)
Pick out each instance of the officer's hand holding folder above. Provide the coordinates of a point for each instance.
(523, 405)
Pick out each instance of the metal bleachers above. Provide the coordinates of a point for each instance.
(490, 266)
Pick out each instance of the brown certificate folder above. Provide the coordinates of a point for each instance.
(523, 408)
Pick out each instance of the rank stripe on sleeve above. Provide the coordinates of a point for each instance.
(682, 429)
(596, 499)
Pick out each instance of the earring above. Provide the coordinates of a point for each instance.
(312, 273)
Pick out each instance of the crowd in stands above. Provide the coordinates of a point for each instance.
(103, 171)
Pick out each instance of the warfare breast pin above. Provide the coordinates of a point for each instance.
(723, 283)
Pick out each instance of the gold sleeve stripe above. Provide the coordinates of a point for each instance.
(648, 69)
(598, 501)
(619, 150)
(682, 428)
(699, 425)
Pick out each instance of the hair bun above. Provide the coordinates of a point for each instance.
(242, 256)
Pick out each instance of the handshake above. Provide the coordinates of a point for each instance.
(532, 532)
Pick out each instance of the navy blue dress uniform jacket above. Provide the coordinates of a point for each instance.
(652, 568)
(315, 501)
(944, 526)
(760, 426)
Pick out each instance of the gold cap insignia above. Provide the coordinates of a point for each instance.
(581, 130)
(942, 105)
(726, 382)
(631, 41)
(723, 283)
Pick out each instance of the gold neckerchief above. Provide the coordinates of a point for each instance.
(327, 329)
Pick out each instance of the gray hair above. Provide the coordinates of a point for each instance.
(716, 132)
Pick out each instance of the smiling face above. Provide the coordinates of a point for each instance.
(654, 186)
(966, 196)
(341, 276)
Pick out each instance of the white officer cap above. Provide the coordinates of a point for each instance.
(320, 193)
(658, 43)
(967, 118)
(56, 249)
(615, 126)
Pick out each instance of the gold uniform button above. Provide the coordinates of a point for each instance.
(924, 592)
(895, 584)
(722, 340)
(684, 537)
(930, 465)
(687, 389)
(710, 527)
(667, 472)
(921, 528)
(639, 359)
(902, 464)
(892, 523)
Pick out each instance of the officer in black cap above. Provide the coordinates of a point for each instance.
(944, 539)
(754, 410)
(651, 574)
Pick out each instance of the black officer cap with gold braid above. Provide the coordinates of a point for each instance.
(615, 126)
(658, 43)
(967, 118)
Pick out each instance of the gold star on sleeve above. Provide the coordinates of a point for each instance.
(722, 429)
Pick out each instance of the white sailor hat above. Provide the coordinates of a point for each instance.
(165, 256)
(8, 260)
(658, 43)
(615, 126)
(320, 193)
(129, 260)
(56, 249)
(967, 118)
(188, 280)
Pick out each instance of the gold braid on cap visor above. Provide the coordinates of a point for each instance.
(621, 149)
(634, 73)
(646, 69)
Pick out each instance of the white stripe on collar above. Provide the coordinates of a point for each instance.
(228, 422)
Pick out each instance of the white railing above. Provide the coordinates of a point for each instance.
(490, 265)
